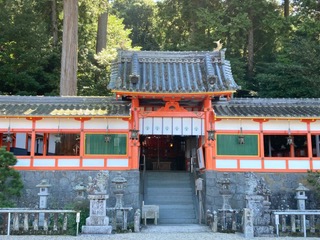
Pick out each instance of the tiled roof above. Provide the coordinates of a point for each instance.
(171, 72)
(31, 106)
(268, 107)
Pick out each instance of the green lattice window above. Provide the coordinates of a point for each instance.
(228, 144)
(112, 144)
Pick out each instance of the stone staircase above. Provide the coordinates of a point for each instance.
(174, 193)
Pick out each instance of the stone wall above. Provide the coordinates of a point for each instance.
(282, 186)
(62, 191)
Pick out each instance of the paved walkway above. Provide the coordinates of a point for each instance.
(160, 232)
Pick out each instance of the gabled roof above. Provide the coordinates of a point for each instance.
(268, 108)
(162, 72)
(31, 106)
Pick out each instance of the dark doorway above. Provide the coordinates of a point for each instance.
(163, 152)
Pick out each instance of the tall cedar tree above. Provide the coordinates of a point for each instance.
(69, 59)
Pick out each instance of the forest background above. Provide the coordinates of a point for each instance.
(274, 47)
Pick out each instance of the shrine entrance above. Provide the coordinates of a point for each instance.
(169, 143)
(167, 152)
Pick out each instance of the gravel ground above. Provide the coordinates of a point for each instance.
(154, 234)
(150, 236)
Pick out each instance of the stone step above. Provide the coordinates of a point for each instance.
(175, 228)
(183, 214)
(174, 194)
(177, 192)
(168, 183)
(177, 207)
(176, 221)
(168, 200)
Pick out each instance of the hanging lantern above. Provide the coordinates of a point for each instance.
(58, 138)
(134, 134)
(211, 135)
(241, 139)
(107, 138)
(289, 140)
(9, 137)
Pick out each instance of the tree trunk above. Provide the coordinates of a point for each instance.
(250, 49)
(54, 22)
(102, 32)
(286, 8)
(69, 61)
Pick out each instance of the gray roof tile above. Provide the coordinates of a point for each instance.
(171, 72)
(31, 106)
(268, 107)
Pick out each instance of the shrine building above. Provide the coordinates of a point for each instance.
(170, 112)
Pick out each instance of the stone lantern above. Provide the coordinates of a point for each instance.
(225, 191)
(119, 185)
(43, 195)
(301, 196)
(80, 190)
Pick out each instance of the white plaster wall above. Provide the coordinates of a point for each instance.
(224, 163)
(110, 123)
(284, 125)
(54, 123)
(15, 123)
(232, 124)
(315, 126)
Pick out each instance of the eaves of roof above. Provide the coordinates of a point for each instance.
(286, 108)
(40, 106)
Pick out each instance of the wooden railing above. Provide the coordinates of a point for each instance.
(35, 219)
(298, 220)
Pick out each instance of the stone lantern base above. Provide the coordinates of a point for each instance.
(96, 229)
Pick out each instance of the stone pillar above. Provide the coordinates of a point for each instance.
(248, 223)
(98, 222)
(137, 219)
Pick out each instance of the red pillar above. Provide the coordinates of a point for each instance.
(134, 144)
(208, 123)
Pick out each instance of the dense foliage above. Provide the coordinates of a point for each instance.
(272, 54)
(10, 181)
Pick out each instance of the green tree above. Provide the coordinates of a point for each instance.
(28, 63)
(295, 71)
(10, 181)
(94, 69)
(139, 17)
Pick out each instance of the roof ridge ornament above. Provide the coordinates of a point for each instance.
(219, 45)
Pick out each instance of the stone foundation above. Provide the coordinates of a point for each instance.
(282, 186)
(62, 191)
